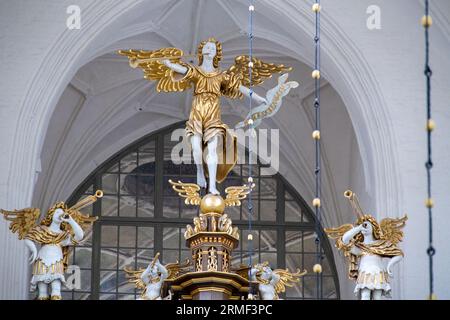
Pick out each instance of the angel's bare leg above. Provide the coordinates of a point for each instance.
(377, 294)
(56, 289)
(42, 291)
(365, 294)
(211, 161)
(197, 153)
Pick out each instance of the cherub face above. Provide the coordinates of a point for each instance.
(58, 215)
(209, 50)
(367, 228)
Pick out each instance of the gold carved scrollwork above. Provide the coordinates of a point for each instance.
(212, 259)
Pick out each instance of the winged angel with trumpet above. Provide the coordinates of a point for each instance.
(205, 126)
(61, 228)
(273, 282)
(366, 243)
(151, 279)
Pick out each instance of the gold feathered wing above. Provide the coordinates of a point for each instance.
(134, 276)
(189, 191)
(261, 70)
(337, 233)
(235, 194)
(84, 220)
(176, 268)
(287, 279)
(390, 228)
(22, 221)
(155, 70)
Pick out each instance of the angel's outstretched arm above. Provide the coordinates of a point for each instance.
(32, 247)
(175, 67)
(348, 236)
(393, 261)
(250, 93)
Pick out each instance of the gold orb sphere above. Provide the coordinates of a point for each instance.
(212, 203)
(317, 268)
(429, 203)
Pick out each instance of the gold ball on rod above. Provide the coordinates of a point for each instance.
(315, 74)
(316, 135)
(316, 202)
(431, 125)
(316, 7)
(317, 268)
(429, 203)
(427, 21)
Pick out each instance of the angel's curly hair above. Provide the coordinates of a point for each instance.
(47, 221)
(376, 229)
(219, 52)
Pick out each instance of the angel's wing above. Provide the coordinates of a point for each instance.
(235, 194)
(175, 269)
(22, 220)
(83, 220)
(260, 70)
(390, 229)
(190, 191)
(155, 70)
(336, 233)
(287, 279)
(134, 276)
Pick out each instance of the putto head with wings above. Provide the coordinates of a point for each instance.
(204, 128)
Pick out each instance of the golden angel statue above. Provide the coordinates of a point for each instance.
(151, 279)
(366, 243)
(61, 228)
(273, 282)
(205, 127)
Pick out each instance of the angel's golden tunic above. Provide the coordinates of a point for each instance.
(205, 117)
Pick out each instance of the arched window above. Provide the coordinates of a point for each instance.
(140, 215)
